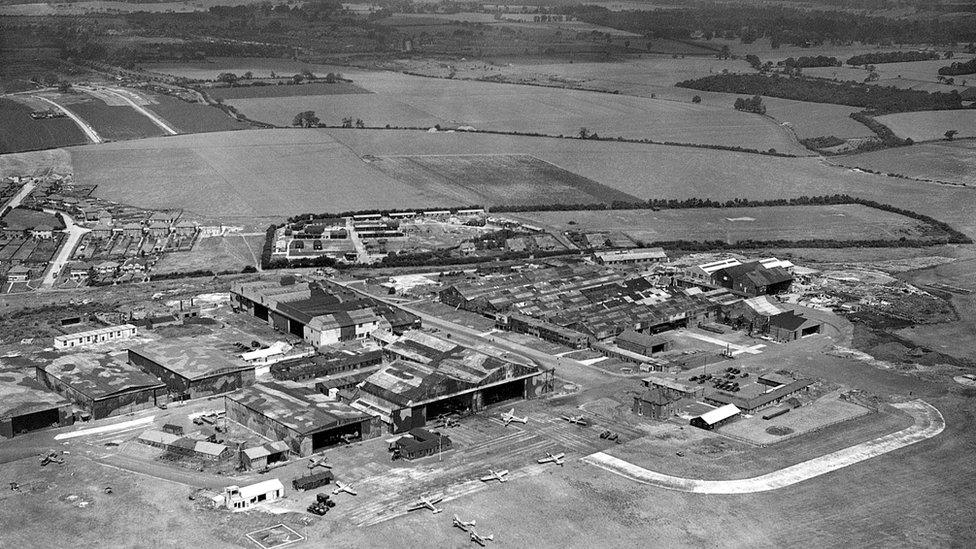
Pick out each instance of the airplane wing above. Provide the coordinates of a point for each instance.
(559, 456)
(487, 478)
(435, 500)
(503, 473)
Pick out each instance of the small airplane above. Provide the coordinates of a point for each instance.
(510, 416)
(426, 503)
(578, 420)
(349, 438)
(492, 475)
(557, 459)
(313, 463)
(463, 524)
(479, 539)
(51, 458)
(340, 487)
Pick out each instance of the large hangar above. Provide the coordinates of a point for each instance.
(303, 418)
(25, 405)
(445, 378)
(103, 385)
(192, 370)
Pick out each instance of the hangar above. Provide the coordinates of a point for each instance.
(405, 393)
(303, 418)
(25, 406)
(192, 370)
(103, 385)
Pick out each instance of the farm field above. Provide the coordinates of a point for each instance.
(96, 6)
(261, 67)
(413, 101)
(20, 132)
(951, 162)
(113, 123)
(495, 179)
(227, 174)
(193, 117)
(919, 75)
(275, 91)
(931, 125)
(841, 222)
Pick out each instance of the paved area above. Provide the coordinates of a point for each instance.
(928, 423)
(736, 349)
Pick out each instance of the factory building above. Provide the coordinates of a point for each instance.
(103, 385)
(406, 392)
(321, 313)
(26, 405)
(631, 257)
(336, 359)
(306, 420)
(191, 369)
(790, 326)
(753, 279)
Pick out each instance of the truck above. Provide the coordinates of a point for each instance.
(313, 481)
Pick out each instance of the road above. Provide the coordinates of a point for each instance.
(142, 110)
(21, 195)
(75, 232)
(928, 423)
(89, 131)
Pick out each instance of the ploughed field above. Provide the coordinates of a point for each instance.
(401, 100)
(114, 123)
(20, 132)
(192, 117)
(835, 222)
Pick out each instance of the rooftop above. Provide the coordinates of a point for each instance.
(719, 414)
(190, 357)
(97, 375)
(300, 409)
(21, 394)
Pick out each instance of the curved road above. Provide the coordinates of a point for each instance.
(928, 423)
(85, 127)
(141, 110)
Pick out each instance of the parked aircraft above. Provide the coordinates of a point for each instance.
(557, 459)
(426, 503)
(492, 475)
(463, 524)
(479, 539)
(313, 463)
(578, 420)
(510, 416)
(340, 487)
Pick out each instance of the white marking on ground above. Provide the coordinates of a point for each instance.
(592, 361)
(141, 110)
(928, 423)
(125, 425)
(752, 350)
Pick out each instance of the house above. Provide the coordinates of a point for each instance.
(468, 248)
(753, 279)
(158, 229)
(102, 230)
(132, 230)
(19, 273)
(42, 231)
(103, 217)
(269, 453)
(185, 228)
(656, 403)
(107, 268)
(135, 265)
(77, 270)
(715, 418)
(790, 326)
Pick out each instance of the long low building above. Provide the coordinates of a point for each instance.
(337, 359)
(94, 337)
(322, 313)
(752, 404)
(405, 393)
(103, 385)
(191, 369)
(26, 405)
(306, 420)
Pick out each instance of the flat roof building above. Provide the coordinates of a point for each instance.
(192, 370)
(303, 418)
(26, 405)
(631, 257)
(94, 337)
(103, 385)
(751, 404)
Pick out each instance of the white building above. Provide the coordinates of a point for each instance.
(238, 498)
(94, 337)
(625, 257)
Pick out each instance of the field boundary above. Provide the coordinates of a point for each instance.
(928, 423)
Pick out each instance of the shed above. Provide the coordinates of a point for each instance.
(260, 457)
(715, 418)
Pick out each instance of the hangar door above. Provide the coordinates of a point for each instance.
(32, 422)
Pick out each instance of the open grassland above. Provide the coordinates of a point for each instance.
(114, 123)
(193, 117)
(951, 162)
(412, 101)
(218, 253)
(931, 125)
(284, 172)
(917, 75)
(288, 90)
(841, 222)
(20, 132)
(496, 179)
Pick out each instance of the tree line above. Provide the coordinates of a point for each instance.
(877, 99)
(957, 68)
(892, 57)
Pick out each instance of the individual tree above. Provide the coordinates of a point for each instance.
(949, 135)
(227, 77)
(584, 133)
(64, 87)
(248, 75)
(696, 99)
(347, 122)
(50, 79)
(297, 79)
(360, 124)
(306, 119)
